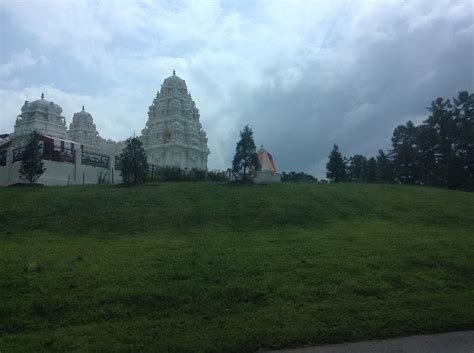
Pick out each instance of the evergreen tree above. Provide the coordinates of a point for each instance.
(245, 160)
(357, 169)
(133, 163)
(463, 114)
(371, 170)
(405, 154)
(336, 166)
(383, 170)
(444, 127)
(32, 165)
(427, 142)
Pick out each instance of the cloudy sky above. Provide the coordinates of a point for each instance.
(303, 74)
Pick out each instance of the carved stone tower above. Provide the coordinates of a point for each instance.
(83, 130)
(173, 135)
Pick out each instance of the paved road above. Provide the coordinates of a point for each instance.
(452, 342)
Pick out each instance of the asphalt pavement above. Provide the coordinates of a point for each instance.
(451, 342)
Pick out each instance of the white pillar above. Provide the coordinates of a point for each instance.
(111, 168)
(9, 164)
(78, 166)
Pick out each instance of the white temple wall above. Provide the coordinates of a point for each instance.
(5, 170)
(56, 173)
(4, 175)
(60, 173)
(86, 174)
(266, 177)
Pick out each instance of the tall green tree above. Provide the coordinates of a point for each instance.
(371, 170)
(336, 166)
(133, 163)
(32, 165)
(383, 170)
(447, 163)
(357, 169)
(463, 113)
(405, 153)
(427, 145)
(245, 161)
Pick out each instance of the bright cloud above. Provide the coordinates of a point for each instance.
(17, 62)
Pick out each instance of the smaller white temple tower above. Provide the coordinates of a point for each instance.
(83, 130)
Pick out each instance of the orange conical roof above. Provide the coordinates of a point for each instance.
(266, 161)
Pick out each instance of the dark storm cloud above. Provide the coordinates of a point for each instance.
(387, 83)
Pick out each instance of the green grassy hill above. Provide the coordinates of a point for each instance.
(203, 267)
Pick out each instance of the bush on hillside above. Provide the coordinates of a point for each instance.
(217, 175)
(297, 177)
(167, 173)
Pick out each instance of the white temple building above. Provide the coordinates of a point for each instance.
(75, 156)
(173, 136)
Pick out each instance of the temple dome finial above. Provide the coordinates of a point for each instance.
(82, 108)
(43, 106)
(174, 72)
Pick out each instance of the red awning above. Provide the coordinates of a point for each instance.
(61, 144)
(5, 144)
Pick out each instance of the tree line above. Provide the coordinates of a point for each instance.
(439, 152)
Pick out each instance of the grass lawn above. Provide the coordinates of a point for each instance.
(204, 267)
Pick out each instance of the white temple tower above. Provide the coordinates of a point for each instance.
(83, 130)
(173, 135)
(40, 115)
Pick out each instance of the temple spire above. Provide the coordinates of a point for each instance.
(82, 108)
(174, 73)
(42, 95)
